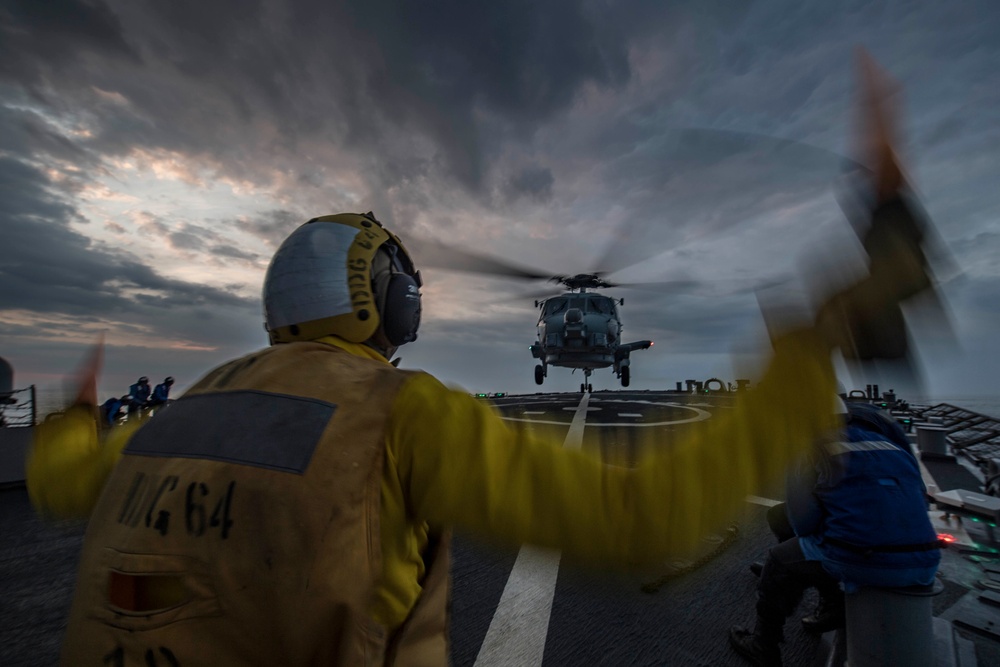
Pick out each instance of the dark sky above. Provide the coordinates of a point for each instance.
(153, 154)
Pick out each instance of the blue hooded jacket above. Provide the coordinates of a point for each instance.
(139, 393)
(860, 507)
(161, 394)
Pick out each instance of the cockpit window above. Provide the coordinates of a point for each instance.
(600, 305)
(587, 304)
(555, 306)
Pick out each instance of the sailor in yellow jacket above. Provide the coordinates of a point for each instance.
(291, 507)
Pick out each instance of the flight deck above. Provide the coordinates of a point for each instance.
(527, 606)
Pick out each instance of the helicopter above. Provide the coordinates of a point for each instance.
(577, 328)
(581, 329)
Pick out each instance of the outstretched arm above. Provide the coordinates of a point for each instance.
(68, 462)
(461, 465)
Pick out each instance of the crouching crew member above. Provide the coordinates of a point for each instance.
(859, 513)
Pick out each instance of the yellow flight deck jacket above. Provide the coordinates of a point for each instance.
(443, 459)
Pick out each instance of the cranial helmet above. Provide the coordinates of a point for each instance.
(871, 418)
(169, 380)
(144, 380)
(342, 274)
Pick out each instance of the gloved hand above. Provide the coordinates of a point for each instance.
(865, 320)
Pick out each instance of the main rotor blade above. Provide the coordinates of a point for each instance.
(442, 256)
(639, 239)
(749, 139)
(660, 285)
(534, 295)
(633, 243)
(715, 288)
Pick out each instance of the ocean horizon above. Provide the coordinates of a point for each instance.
(50, 399)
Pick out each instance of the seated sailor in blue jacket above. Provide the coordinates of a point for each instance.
(161, 393)
(111, 409)
(859, 512)
(138, 395)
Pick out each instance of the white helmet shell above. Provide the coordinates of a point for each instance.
(319, 281)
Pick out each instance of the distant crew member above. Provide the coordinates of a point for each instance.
(138, 395)
(111, 409)
(161, 393)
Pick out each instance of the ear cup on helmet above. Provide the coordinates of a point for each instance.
(401, 312)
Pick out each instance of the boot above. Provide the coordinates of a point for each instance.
(760, 648)
(829, 615)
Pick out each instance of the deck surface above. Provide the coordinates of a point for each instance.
(567, 615)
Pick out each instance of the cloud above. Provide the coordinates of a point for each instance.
(533, 182)
(62, 30)
(153, 155)
(274, 226)
(25, 131)
(233, 252)
(186, 240)
(381, 82)
(47, 267)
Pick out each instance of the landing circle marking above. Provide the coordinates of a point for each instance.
(699, 415)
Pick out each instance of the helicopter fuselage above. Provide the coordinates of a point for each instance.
(581, 329)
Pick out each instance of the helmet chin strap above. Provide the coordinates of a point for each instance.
(380, 344)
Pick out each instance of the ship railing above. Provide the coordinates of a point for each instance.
(17, 408)
(970, 434)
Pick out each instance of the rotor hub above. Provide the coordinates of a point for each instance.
(582, 281)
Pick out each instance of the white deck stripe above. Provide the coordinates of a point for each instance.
(766, 502)
(929, 481)
(521, 622)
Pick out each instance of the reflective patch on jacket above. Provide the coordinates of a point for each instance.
(252, 428)
(838, 447)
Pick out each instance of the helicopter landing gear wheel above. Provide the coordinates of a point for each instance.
(625, 376)
(539, 374)
(590, 388)
(586, 387)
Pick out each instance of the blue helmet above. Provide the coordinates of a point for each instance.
(872, 418)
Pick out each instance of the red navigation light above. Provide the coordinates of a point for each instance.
(651, 343)
(946, 538)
